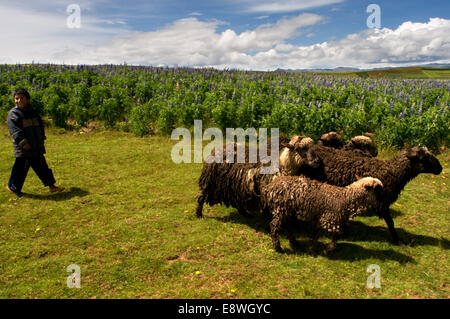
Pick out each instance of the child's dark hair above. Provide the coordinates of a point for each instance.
(22, 91)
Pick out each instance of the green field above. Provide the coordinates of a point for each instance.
(406, 73)
(127, 219)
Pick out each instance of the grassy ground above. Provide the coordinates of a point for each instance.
(127, 219)
(408, 73)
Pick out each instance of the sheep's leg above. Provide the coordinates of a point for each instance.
(290, 234)
(332, 245)
(390, 223)
(265, 213)
(314, 239)
(275, 228)
(200, 201)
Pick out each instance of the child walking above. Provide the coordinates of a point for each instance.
(27, 130)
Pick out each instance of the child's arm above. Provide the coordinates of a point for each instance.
(16, 130)
(41, 126)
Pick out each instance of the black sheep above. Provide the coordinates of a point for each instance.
(341, 170)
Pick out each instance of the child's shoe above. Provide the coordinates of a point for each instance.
(54, 189)
(12, 192)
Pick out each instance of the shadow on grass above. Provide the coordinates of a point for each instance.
(65, 195)
(356, 231)
(348, 252)
(393, 212)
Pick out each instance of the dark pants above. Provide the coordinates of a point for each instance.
(20, 170)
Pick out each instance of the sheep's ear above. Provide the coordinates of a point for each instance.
(422, 152)
(412, 152)
(417, 152)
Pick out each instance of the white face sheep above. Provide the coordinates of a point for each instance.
(341, 170)
(239, 184)
(328, 207)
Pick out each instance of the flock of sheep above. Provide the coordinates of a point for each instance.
(326, 183)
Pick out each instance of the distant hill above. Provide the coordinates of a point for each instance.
(433, 70)
(352, 69)
(408, 73)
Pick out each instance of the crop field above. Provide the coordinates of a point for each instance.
(127, 217)
(147, 100)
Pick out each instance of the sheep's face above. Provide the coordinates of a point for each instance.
(304, 154)
(312, 159)
(423, 160)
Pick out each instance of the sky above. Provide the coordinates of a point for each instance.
(226, 34)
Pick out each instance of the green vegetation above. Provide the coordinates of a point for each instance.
(127, 219)
(148, 100)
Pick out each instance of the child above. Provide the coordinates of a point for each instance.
(27, 130)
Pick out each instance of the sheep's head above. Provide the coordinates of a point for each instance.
(423, 160)
(368, 183)
(372, 191)
(331, 139)
(363, 143)
(303, 154)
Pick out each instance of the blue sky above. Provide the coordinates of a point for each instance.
(343, 17)
(245, 34)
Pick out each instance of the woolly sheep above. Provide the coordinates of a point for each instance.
(361, 145)
(328, 207)
(239, 184)
(341, 170)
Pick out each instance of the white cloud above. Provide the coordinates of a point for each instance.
(285, 5)
(191, 42)
(36, 31)
(44, 37)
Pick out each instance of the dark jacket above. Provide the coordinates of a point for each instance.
(25, 126)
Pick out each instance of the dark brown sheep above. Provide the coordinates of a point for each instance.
(362, 146)
(331, 139)
(341, 170)
(238, 184)
(328, 207)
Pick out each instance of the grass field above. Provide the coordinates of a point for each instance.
(406, 73)
(127, 219)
